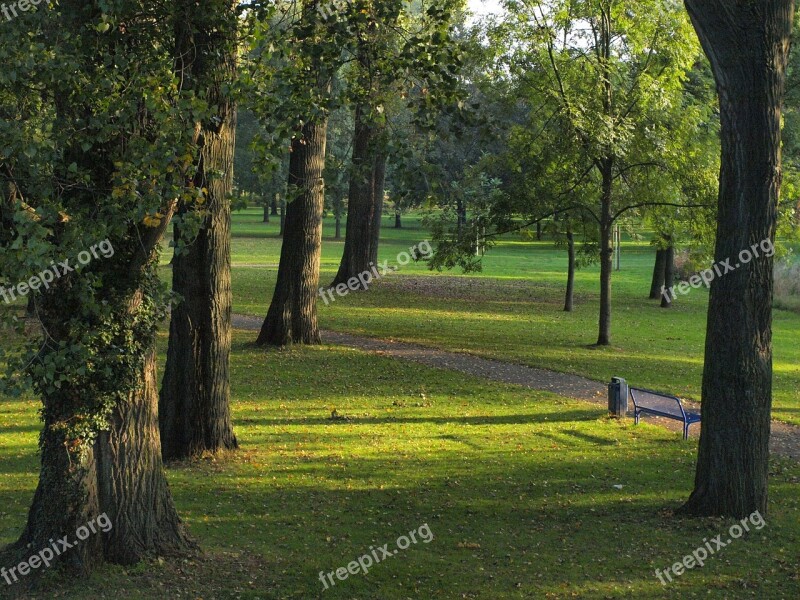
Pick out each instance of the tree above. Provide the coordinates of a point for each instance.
(400, 52)
(194, 407)
(611, 75)
(748, 46)
(304, 75)
(112, 165)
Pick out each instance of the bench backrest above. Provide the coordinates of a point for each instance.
(663, 403)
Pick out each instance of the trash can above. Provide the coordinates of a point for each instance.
(618, 397)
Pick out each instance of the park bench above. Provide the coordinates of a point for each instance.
(662, 405)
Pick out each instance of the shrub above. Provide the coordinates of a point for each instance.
(787, 285)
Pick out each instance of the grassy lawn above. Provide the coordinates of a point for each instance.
(512, 311)
(517, 488)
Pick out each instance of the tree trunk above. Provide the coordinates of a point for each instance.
(606, 253)
(398, 217)
(748, 45)
(266, 212)
(378, 183)
(366, 168)
(273, 206)
(100, 447)
(283, 216)
(657, 284)
(121, 475)
(194, 407)
(461, 212)
(569, 301)
(539, 231)
(292, 316)
(669, 275)
(338, 215)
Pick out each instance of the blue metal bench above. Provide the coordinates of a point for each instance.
(662, 405)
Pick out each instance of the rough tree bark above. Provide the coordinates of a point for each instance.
(657, 284)
(121, 474)
(194, 407)
(368, 166)
(747, 44)
(118, 472)
(292, 316)
(570, 296)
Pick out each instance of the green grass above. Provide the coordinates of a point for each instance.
(516, 487)
(512, 311)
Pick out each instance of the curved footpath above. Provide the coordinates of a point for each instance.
(785, 439)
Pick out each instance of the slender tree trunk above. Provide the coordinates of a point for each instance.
(461, 211)
(606, 253)
(292, 316)
(378, 184)
(282, 203)
(361, 217)
(273, 206)
(569, 301)
(657, 284)
(338, 214)
(748, 45)
(539, 231)
(669, 275)
(398, 217)
(266, 212)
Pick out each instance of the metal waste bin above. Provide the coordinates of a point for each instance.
(618, 397)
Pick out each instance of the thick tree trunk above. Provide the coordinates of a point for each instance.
(669, 275)
(748, 44)
(606, 253)
(362, 205)
(292, 316)
(100, 448)
(569, 301)
(194, 408)
(121, 474)
(657, 284)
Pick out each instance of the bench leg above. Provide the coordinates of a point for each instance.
(685, 431)
(636, 417)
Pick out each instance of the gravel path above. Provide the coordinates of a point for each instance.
(785, 440)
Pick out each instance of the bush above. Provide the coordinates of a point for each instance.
(787, 285)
